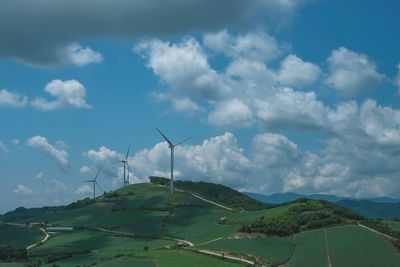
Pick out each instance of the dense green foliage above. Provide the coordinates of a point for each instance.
(305, 215)
(80, 203)
(215, 192)
(9, 253)
(18, 236)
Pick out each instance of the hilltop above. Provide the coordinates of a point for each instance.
(202, 224)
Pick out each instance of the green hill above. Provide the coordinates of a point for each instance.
(143, 225)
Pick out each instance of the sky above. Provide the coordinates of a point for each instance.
(279, 95)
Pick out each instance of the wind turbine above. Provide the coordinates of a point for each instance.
(172, 147)
(126, 166)
(94, 181)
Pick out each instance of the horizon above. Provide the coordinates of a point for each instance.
(291, 96)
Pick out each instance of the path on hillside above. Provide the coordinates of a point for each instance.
(190, 244)
(46, 237)
(225, 256)
(210, 201)
(327, 250)
(375, 231)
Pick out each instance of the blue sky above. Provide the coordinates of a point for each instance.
(280, 95)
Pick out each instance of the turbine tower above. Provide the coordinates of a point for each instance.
(172, 147)
(126, 166)
(94, 181)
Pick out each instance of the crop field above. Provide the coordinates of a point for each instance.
(198, 224)
(355, 246)
(174, 258)
(310, 249)
(90, 240)
(273, 250)
(19, 236)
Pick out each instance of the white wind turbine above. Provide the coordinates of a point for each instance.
(172, 147)
(126, 167)
(94, 181)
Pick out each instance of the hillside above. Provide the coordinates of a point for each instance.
(143, 225)
(384, 207)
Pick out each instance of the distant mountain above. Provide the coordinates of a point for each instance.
(369, 209)
(381, 207)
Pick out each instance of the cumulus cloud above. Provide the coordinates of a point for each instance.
(41, 143)
(84, 189)
(85, 170)
(68, 94)
(40, 176)
(16, 141)
(232, 113)
(183, 67)
(78, 55)
(55, 187)
(12, 99)
(23, 190)
(352, 72)
(43, 39)
(257, 46)
(296, 72)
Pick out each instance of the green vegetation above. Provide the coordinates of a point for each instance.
(9, 253)
(305, 215)
(395, 225)
(272, 250)
(215, 192)
(19, 236)
(310, 249)
(355, 246)
(174, 258)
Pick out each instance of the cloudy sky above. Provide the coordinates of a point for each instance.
(279, 95)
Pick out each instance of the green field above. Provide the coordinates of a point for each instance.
(249, 216)
(174, 258)
(395, 225)
(310, 249)
(355, 246)
(273, 250)
(19, 236)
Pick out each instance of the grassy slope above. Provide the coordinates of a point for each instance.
(19, 237)
(273, 250)
(395, 225)
(310, 249)
(174, 258)
(355, 246)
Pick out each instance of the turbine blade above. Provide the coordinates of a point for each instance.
(95, 178)
(100, 187)
(183, 141)
(127, 180)
(88, 181)
(127, 153)
(166, 139)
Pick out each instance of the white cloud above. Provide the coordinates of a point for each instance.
(296, 72)
(292, 109)
(78, 55)
(12, 99)
(16, 141)
(40, 176)
(218, 159)
(183, 67)
(68, 94)
(232, 113)
(257, 46)
(85, 170)
(84, 189)
(180, 104)
(41, 143)
(23, 190)
(352, 72)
